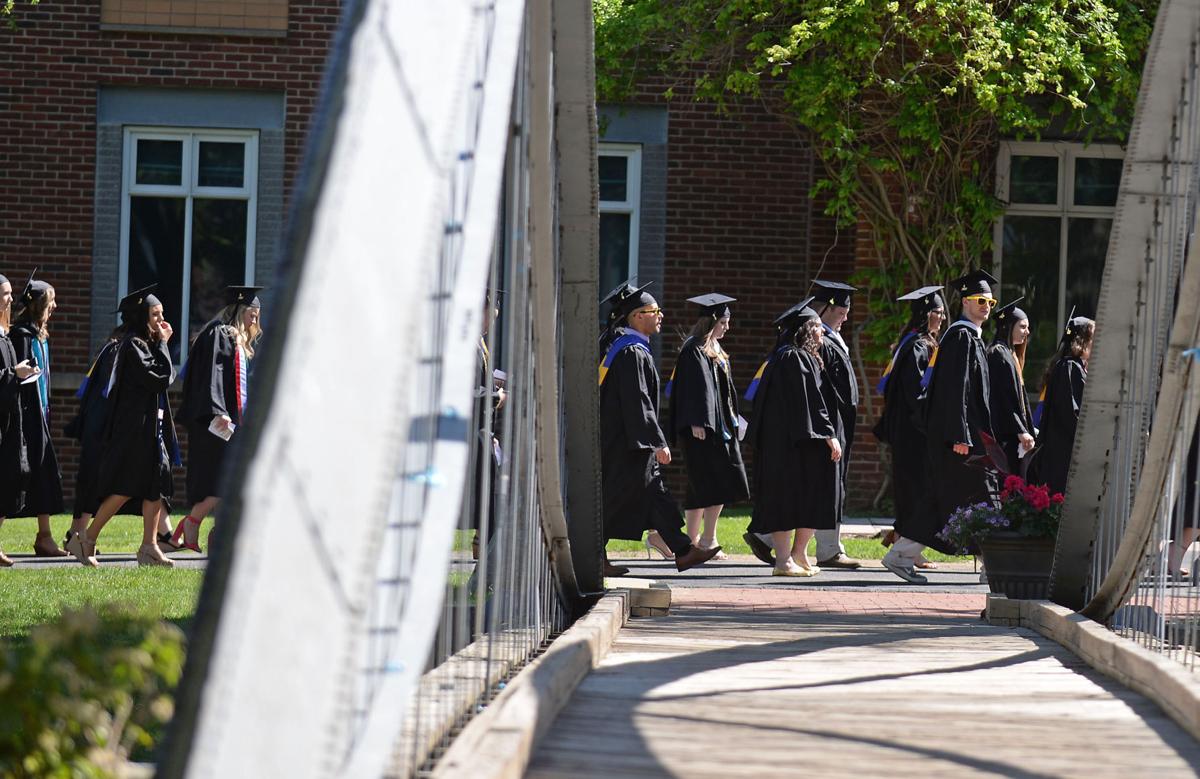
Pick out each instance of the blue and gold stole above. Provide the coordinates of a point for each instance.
(752, 390)
(887, 372)
(628, 339)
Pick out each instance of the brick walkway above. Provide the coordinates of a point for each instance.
(771, 682)
(913, 603)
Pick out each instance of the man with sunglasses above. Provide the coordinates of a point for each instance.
(633, 448)
(957, 425)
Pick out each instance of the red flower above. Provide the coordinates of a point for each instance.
(1056, 498)
(1013, 483)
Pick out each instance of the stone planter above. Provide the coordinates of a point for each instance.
(1017, 566)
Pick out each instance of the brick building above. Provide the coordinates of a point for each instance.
(149, 140)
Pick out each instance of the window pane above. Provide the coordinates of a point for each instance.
(614, 250)
(221, 164)
(1030, 270)
(614, 179)
(156, 253)
(1096, 181)
(1087, 246)
(218, 256)
(159, 162)
(1033, 180)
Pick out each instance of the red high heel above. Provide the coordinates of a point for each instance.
(185, 540)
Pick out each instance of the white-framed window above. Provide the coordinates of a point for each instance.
(1051, 242)
(620, 174)
(188, 216)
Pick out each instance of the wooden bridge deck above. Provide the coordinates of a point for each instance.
(819, 683)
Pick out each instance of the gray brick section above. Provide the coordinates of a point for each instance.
(270, 205)
(106, 244)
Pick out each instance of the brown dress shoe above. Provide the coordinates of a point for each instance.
(695, 556)
(44, 546)
(844, 562)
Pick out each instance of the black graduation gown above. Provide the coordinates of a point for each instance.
(1186, 513)
(487, 449)
(1009, 404)
(1060, 412)
(703, 395)
(88, 428)
(635, 497)
(796, 484)
(209, 390)
(43, 493)
(899, 429)
(14, 464)
(134, 459)
(843, 386)
(956, 411)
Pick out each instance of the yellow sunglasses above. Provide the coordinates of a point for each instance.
(651, 311)
(983, 299)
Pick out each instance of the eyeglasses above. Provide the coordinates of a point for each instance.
(981, 299)
(652, 311)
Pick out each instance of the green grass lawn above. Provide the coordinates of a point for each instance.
(733, 524)
(33, 597)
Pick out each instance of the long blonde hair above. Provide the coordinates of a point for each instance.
(703, 329)
(233, 317)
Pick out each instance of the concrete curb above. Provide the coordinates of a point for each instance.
(1166, 682)
(499, 741)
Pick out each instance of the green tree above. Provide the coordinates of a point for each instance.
(6, 11)
(903, 101)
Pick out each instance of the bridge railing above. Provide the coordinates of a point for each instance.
(1132, 487)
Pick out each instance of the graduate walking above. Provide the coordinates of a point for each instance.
(633, 448)
(31, 339)
(796, 448)
(215, 386)
(832, 304)
(705, 419)
(958, 427)
(14, 465)
(1062, 397)
(139, 432)
(1012, 420)
(900, 426)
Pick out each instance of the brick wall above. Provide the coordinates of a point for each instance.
(51, 68)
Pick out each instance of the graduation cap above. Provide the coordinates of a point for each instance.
(1074, 325)
(834, 293)
(243, 296)
(1009, 313)
(924, 299)
(977, 282)
(626, 298)
(714, 304)
(797, 314)
(138, 299)
(34, 289)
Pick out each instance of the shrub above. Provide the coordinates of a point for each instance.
(82, 693)
(1029, 509)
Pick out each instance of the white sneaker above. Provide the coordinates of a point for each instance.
(905, 572)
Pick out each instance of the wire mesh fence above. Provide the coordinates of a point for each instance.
(1123, 552)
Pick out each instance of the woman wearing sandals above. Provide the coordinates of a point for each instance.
(214, 402)
(796, 448)
(31, 339)
(704, 414)
(14, 466)
(139, 431)
(1012, 421)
